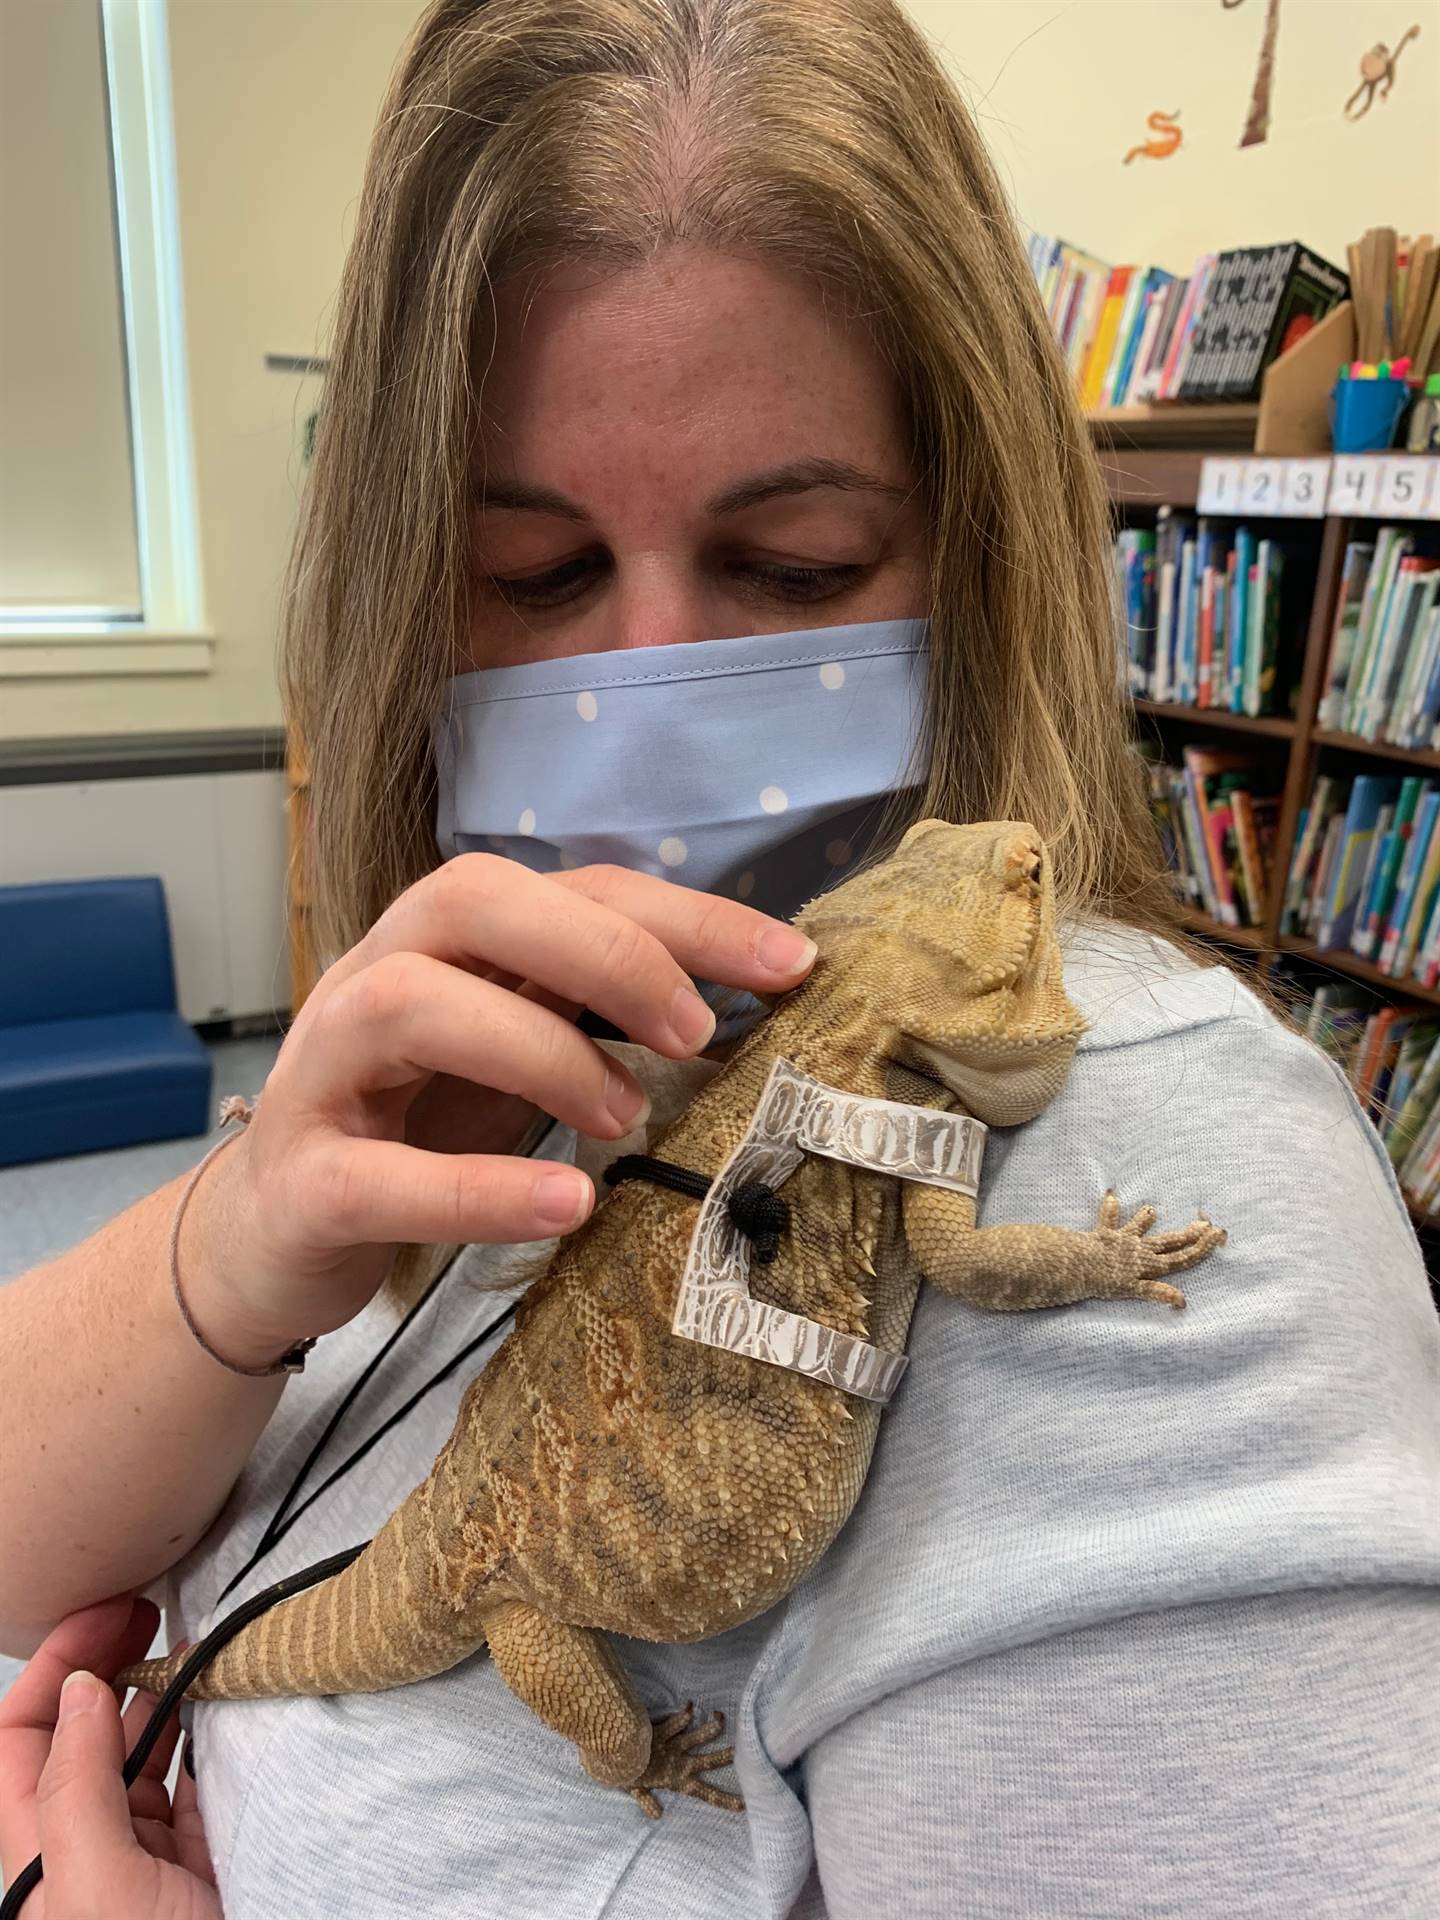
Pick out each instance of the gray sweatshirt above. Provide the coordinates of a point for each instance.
(1138, 1615)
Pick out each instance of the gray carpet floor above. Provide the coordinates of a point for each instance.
(50, 1205)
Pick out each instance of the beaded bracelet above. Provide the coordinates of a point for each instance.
(233, 1107)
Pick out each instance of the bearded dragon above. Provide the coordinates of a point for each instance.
(607, 1476)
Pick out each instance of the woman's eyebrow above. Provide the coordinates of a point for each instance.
(798, 477)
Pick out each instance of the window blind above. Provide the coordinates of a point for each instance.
(67, 505)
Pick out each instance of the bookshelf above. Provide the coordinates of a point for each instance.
(1139, 481)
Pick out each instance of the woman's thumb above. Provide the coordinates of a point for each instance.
(82, 1812)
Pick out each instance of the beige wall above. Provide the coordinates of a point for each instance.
(1063, 92)
(274, 103)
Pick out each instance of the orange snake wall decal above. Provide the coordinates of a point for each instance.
(1168, 137)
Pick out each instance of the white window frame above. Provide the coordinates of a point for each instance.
(170, 636)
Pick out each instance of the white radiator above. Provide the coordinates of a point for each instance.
(217, 841)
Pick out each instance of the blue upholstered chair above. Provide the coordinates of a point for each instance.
(92, 1050)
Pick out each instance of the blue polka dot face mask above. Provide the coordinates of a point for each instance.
(756, 768)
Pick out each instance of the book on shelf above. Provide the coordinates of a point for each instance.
(1371, 797)
(1382, 676)
(1391, 1056)
(1133, 333)
(1365, 873)
(1202, 607)
(1217, 819)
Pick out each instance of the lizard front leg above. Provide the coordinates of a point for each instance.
(1010, 1268)
(570, 1678)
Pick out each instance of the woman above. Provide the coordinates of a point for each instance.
(671, 322)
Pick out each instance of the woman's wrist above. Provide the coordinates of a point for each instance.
(215, 1252)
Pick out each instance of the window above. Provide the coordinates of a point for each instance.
(98, 544)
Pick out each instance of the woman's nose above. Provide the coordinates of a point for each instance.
(653, 601)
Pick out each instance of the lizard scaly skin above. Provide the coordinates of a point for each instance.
(604, 1475)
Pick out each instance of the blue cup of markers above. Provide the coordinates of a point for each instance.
(1365, 413)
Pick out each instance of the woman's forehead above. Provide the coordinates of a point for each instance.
(717, 358)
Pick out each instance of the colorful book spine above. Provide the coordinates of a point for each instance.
(1369, 793)
(1374, 859)
(1408, 885)
(1244, 558)
(1355, 571)
(1096, 366)
(1417, 919)
(1265, 628)
(1369, 933)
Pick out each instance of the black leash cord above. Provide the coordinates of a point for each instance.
(196, 1660)
(281, 1521)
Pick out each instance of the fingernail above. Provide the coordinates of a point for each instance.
(691, 1019)
(783, 950)
(78, 1699)
(562, 1199)
(187, 1757)
(629, 1105)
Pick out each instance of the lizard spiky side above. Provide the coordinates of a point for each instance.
(604, 1475)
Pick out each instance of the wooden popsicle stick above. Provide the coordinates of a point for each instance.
(1360, 292)
(1425, 299)
(1427, 353)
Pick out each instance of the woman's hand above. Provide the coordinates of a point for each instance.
(408, 1079)
(62, 1748)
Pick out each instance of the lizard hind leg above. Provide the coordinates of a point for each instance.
(570, 1678)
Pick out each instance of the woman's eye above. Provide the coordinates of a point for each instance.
(553, 587)
(559, 585)
(802, 583)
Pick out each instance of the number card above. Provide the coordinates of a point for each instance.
(1263, 487)
(1404, 483)
(1221, 486)
(1355, 484)
(1306, 483)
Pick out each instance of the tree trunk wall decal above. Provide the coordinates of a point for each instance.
(1257, 123)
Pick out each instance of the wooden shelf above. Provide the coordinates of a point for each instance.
(1292, 415)
(1341, 960)
(1220, 718)
(1173, 423)
(1253, 938)
(1151, 478)
(1378, 749)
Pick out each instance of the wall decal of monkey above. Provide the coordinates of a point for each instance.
(1377, 75)
(1165, 128)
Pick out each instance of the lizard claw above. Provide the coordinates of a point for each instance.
(675, 1765)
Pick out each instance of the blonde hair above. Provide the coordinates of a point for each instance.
(822, 135)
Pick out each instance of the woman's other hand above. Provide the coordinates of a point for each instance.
(132, 1856)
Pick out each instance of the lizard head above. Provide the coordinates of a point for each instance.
(952, 940)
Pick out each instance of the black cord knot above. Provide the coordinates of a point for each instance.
(756, 1209)
(762, 1216)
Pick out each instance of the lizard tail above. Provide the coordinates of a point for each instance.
(402, 1611)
